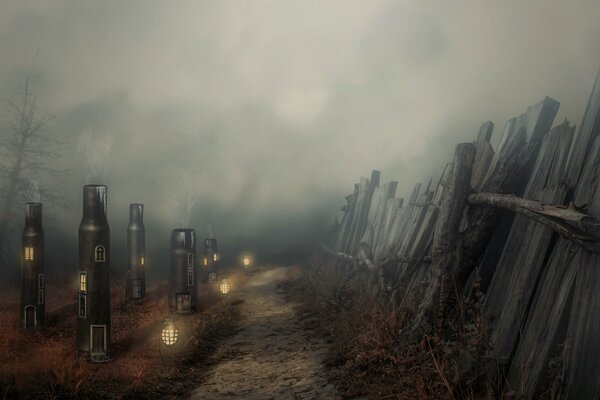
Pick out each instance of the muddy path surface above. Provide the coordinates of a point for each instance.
(272, 356)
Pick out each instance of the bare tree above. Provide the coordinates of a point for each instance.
(27, 150)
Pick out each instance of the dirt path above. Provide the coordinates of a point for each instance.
(272, 356)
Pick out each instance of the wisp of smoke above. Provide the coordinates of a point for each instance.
(182, 194)
(33, 192)
(95, 150)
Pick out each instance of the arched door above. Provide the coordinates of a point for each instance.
(29, 317)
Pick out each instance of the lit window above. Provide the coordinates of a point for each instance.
(100, 254)
(82, 282)
(190, 277)
(41, 296)
(190, 260)
(29, 253)
(40, 281)
(215, 257)
(142, 260)
(82, 306)
(205, 261)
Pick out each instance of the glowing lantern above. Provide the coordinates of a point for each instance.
(169, 334)
(246, 261)
(225, 287)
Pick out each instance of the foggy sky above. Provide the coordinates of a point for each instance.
(267, 112)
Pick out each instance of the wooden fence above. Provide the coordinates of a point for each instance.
(536, 250)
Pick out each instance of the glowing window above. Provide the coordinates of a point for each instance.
(205, 261)
(100, 254)
(215, 257)
(29, 253)
(82, 282)
(142, 261)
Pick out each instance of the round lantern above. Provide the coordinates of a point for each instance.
(224, 287)
(169, 334)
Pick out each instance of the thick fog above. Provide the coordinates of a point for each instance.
(253, 119)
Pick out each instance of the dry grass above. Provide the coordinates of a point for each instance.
(371, 356)
(46, 365)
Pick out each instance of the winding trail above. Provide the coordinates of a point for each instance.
(272, 356)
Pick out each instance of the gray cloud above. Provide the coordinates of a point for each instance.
(277, 107)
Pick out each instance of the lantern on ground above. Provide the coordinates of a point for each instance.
(225, 286)
(169, 334)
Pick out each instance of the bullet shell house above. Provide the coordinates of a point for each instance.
(135, 287)
(93, 322)
(32, 267)
(183, 284)
(210, 260)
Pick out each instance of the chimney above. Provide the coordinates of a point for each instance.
(183, 293)
(210, 260)
(93, 321)
(135, 287)
(33, 300)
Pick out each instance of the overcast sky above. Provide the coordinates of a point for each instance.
(267, 112)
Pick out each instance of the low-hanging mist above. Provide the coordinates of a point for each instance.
(251, 120)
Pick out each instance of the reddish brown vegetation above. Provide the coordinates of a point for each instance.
(45, 364)
(370, 356)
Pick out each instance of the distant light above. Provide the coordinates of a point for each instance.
(205, 261)
(224, 287)
(142, 261)
(215, 257)
(169, 333)
(246, 261)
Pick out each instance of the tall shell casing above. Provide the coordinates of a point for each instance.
(183, 283)
(93, 321)
(210, 260)
(135, 288)
(33, 296)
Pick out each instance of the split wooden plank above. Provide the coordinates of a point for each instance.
(588, 131)
(509, 172)
(446, 236)
(483, 156)
(514, 283)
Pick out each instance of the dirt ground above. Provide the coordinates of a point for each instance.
(272, 356)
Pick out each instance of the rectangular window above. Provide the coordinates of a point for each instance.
(40, 281)
(205, 261)
(82, 308)
(137, 289)
(41, 296)
(29, 253)
(190, 260)
(190, 277)
(83, 282)
(215, 257)
(183, 302)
